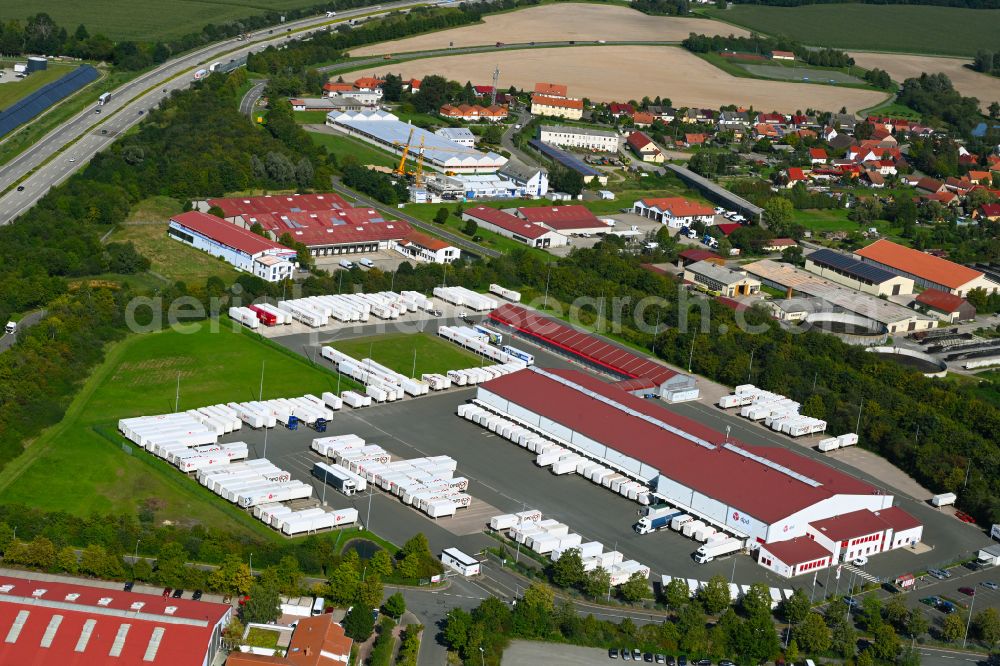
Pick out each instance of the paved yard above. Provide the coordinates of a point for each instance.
(552, 654)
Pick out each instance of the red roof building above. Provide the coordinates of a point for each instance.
(949, 307)
(564, 219)
(794, 556)
(76, 623)
(817, 155)
(327, 232)
(926, 269)
(694, 255)
(514, 227)
(728, 228)
(767, 486)
(316, 641)
(233, 207)
(427, 248)
(990, 211)
(227, 234)
(551, 89)
(620, 109)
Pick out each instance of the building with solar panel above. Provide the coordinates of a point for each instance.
(567, 160)
(847, 270)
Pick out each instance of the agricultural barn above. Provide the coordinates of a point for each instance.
(769, 495)
(77, 623)
(514, 227)
(602, 355)
(847, 270)
(947, 307)
(926, 269)
(242, 248)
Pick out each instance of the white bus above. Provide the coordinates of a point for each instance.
(103, 99)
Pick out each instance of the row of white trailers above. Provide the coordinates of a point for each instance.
(316, 311)
(428, 484)
(559, 459)
(477, 342)
(778, 412)
(466, 298)
(292, 522)
(505, 293)
(735, 590)
(552, 538)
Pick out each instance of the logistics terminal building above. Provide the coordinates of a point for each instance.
(769, 496)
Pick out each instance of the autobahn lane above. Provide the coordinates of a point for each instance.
(68, 147)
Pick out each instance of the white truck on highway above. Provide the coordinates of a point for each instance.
(712, 550)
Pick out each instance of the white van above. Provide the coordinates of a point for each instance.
(11, 327)
(367, 263)
(344, 263)
(319, 605)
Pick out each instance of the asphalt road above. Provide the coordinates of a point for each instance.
(56, 156)
(249, 100)
(507, 140)
(7, 340)
(459, 241)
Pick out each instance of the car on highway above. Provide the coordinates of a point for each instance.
(141, 111)
(97, 110)
(72, 159)
(104, 131)
(20, 188)
(990, 585)
(967, 591)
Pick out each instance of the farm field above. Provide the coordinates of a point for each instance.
(395, 351)
(11, 89)
(143, 20)
(170, 259)
(78, 465)
(906, 28)
(558, 22)
(972, 84)
(610, 73)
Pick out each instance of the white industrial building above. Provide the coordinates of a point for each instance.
(422, 247)
(774, 498)
(463, 136)
(389, 133)
(531, 181)
(580, 137)
(242, 248)
(850, 271)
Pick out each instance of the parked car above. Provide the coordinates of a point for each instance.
(704, 662)
(940, 574)
(626, 654)
(20, 188)
(990, 585)
(129, 585)
(166, 592)
(178, 593)
(197, 595)
(968, 591)
(636, 654)
(852, 602)
(931, 601)
(612, 653)
(860, 561)
(648, 657)
(947, 607)
(660, 659)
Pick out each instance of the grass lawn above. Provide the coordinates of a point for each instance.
(895, 110)
(310, 117)
(80, 465)
(262, 638)
(820, 220)
(344, 146)
(13, 89)
(171, 259)
(395, 351)
(144, 20)
(784, 71)
(906, 28)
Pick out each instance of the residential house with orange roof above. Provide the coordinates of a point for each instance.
(817, 156)
(642, 119)
(694, 140)
(551, 89)
(422, 247)
(474, 112)
(316, 641)
(559, 107)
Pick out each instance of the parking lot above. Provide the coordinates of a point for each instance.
(554, 654)
(503, 478)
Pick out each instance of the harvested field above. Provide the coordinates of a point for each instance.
(559, 22)
(900, 67)
(609, 73)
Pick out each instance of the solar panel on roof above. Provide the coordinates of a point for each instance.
(563, 158)
(851, 266)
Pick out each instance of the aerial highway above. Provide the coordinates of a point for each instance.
(71, 145)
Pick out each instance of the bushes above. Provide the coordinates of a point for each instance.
(409, 645)
(381, 654)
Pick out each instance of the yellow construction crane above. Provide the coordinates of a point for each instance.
(418, 171)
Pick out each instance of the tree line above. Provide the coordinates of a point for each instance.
(968, 4)
(763, 45)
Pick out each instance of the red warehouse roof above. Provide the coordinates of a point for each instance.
(744, 484)
(850, 525)
(941, 301)
(506, 221)
(697, 254)
(921, 264)
(561, 218)
(280, 203)
(593, 349)
(333, 227)
(226, 233)
(425, 241)
(799, 550)
(76, 624)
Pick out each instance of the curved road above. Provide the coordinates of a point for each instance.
(69, 146)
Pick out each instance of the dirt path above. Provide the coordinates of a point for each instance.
(618, 73)
(559, 22)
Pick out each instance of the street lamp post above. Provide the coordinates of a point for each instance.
(135, 556)
(324, 485)
(968, 622)
(482, 655)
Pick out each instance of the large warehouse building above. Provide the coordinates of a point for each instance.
(847, 270)
(926, 269)
(51, 622)
(770, 495)
(242, 248)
